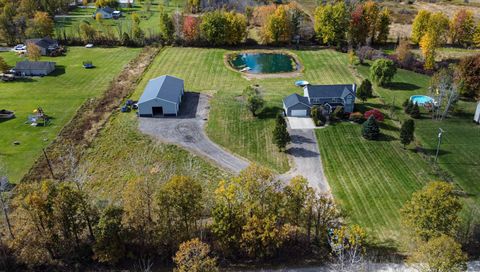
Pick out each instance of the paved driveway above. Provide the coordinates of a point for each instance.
(306, 159)
(187, 130)
(300, 123)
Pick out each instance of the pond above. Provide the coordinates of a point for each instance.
(263, 63)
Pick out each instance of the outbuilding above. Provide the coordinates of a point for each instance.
(296, 106)
(161, 97)
(34, 68)
(476, 118)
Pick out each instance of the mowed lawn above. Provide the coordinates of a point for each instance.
(370, 180)
(59, 94)
(149, 20)
(230, 124)
(460, 149)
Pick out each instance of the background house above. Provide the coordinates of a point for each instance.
(46, 45)
(330, 96)
(126, 3)
(34, 68)
(106, 13)
(162, 97)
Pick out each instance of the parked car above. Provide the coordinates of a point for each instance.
(89, 45)
(20, 47)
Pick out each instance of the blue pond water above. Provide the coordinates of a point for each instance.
(421, 99)
(263, 63)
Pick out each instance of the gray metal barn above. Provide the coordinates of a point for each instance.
(161, 97)
(34, 68)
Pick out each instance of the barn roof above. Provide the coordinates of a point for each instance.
(34, 65)
(166, 87)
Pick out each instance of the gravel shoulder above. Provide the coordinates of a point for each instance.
(187, 131)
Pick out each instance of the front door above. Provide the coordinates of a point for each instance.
(157, 111)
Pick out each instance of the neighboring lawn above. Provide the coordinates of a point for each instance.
(460, 151)
(149, 21)
(59, 94)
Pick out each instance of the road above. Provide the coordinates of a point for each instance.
(187, 130)
(473, 266)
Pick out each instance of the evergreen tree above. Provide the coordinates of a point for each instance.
(415, 112)
(370, 130)
(406, 132)
(364, 91)
(281, 137)
(409, 107)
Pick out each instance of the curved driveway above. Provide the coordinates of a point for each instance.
(187, 131)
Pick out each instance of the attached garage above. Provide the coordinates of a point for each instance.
(161, 97)
(296, 106)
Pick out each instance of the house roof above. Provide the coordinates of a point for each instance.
(166, 87)
(34, 65)
(339, 90)
(105, 9)
(43, 42)
(294, 99)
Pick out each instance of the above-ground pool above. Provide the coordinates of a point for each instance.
(263, 63)
(421, 99)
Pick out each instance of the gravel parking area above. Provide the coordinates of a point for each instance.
(187, 130)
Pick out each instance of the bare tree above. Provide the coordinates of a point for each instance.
(445, 94)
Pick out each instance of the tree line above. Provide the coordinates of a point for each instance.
(251, 217)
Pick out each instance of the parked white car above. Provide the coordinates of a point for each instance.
(90, 45)
(20, 47)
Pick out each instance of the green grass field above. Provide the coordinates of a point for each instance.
(149, 20)
(59, 94)
(460, 151)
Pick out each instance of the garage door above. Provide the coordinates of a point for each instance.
(298, 113)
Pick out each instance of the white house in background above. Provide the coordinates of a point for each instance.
(126, 3)
(476, 118)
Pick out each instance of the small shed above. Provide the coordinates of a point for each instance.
(476, 118)
(34, 68)
(161, 97)
(296, 105)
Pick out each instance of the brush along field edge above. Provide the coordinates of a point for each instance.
(63, 153)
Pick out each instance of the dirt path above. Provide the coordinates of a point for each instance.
(306, 160)
(187, 130)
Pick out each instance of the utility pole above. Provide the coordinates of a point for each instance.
(48, 162)
(440, 133)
